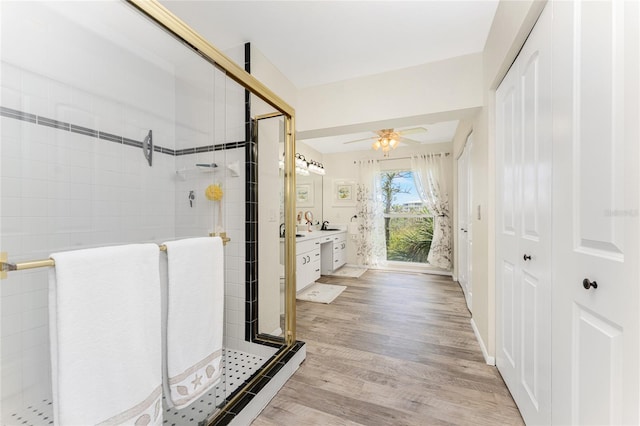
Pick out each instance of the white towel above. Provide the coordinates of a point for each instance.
(104, 309)
(194, 318)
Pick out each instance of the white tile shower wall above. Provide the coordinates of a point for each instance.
(61, 190)
(200, 219)
(90, 192)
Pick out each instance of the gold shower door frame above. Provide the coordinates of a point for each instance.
(171, 23)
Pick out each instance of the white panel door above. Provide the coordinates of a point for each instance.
(464, 221)
(523, 226)
(596, 329)
(507, 225)
(469, 228)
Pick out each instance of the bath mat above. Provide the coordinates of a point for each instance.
(321, 293)
(348, 271)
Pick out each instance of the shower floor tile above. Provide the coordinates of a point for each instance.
(37, 414)
(236, 368)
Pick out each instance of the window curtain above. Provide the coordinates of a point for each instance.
(429, 176)
(371, 249)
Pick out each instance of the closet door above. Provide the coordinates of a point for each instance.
(596, 329)
(523, 226)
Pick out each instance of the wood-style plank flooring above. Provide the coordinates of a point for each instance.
(392, 349)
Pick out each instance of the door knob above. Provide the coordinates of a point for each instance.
(526, 257)
(588, 284)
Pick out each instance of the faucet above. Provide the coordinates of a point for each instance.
(282, 230)
(324, 225)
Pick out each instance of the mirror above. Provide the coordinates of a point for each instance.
(308, 217)
(309, 189)
(271, 307)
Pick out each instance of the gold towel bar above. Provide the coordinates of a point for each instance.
(6, 266)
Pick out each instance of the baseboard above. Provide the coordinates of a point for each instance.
(488, 359)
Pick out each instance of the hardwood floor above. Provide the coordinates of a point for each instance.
(392, 349)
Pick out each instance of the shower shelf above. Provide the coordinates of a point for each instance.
(204, 168)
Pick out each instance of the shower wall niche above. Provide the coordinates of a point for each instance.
(82, 83)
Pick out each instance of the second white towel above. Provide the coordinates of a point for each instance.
(194, 318)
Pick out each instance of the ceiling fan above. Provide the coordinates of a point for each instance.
(388, 139)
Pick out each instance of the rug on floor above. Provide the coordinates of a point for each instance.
(321, 293)
(348, 271)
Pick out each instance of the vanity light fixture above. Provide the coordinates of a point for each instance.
(304, 166)
(316, 168)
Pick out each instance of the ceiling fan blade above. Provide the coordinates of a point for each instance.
(412, 131)
(409, 141)
(359, 140)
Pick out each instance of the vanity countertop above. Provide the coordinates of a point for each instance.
(317, 234)
(305, 235)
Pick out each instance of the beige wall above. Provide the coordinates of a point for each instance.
(269, 75)
(511, 26)
(450, 85)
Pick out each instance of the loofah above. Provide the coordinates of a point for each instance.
(213, 192)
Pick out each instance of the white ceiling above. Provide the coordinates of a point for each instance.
(318, 42)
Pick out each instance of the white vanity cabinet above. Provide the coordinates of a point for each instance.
(318, 252)
(340, 251)
(334, 252)
(307, 263)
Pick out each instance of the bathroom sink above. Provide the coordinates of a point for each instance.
(332, 229)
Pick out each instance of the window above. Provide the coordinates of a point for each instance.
(408, 225)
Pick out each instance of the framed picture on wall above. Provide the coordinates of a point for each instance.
(344, 192)
(304, 195)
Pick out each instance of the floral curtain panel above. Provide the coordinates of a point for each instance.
(428, 174)
(370, 245)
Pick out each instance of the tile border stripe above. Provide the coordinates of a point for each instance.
(110, 137)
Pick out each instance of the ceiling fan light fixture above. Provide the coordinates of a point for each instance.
(386, 143)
